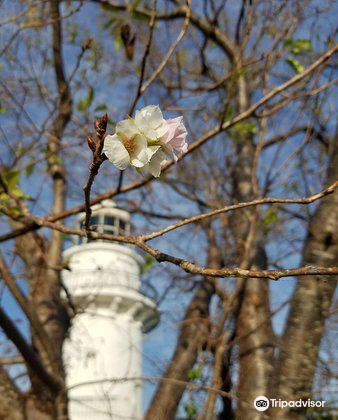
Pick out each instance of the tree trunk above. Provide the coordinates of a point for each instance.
(253, 324)
(310, 306)
(43, 260)
(11, 403)
(193, 336)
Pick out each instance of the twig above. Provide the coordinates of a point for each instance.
(15, 360)
(84, 48)
(98, 158)
(226, 209)
(170, 51)
(144, 59)
(153, 379)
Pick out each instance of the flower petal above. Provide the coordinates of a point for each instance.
(151, 122)
(116, 152)
(152, 150)
(156, 162)
(150, 114)
(126, 128)
(177, 133)
(139, 156)
(162, 129)
(175, 139)
(144, 170)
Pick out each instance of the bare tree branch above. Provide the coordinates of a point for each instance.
(30, 356)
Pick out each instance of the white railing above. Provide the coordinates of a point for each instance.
(94, 280)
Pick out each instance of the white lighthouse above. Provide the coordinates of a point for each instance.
(103, 354)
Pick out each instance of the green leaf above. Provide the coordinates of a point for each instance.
(109, 8)
(84, 104)
(6, 203)
(246, 128)
(101, 107)
(57, 160)
(141, 17)
(11, 179)
(30, 168)
(109, 23)
(270, 216)
(241, 72)
(295, 65)
(148, 264)
(229, 113)
(194, 373)
(298, 46)
(18, 193)
(191, 409)
(93, 57)
(2, 108)
(118, 43)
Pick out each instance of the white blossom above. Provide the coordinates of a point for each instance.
(143, 141)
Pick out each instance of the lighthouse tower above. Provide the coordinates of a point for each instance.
(103, 353)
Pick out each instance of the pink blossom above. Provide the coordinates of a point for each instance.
(175, 138)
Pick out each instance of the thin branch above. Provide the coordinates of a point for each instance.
(84, 48)
(188, 266)
(189, 385)
(30, 356)
(170, 51)
(306, 200)
(15, 360)
(98, 159)
(140, 90)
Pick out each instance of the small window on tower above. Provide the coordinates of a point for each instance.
(109, 230)
(109, 220)
(94, 220)
(122, 227)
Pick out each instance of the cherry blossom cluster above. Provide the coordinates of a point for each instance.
(145, 141)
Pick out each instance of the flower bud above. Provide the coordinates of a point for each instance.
(91, 143)
(96, 123)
